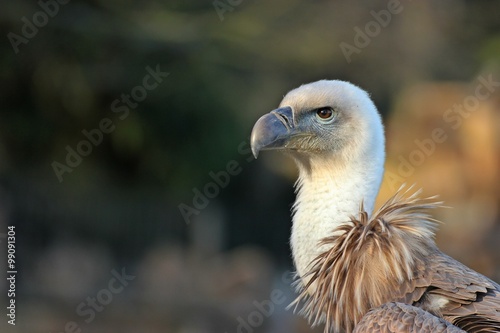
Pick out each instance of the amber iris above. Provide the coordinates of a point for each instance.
(325, 113)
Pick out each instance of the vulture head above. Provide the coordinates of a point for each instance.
(327, 121)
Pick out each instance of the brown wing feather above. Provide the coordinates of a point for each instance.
(403, 318)
(474, 300)
(398, 318)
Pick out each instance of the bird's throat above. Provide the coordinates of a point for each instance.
(327, 195)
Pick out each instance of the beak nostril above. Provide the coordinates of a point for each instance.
(283, 119)
(284, 115)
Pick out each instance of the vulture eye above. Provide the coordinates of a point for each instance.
(325, 114)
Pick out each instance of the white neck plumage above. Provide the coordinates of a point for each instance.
(328, 193)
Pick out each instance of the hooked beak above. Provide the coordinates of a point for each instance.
(272, 130)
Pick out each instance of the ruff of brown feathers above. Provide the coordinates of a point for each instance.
(368, 259)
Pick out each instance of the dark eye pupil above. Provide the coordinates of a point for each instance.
(325, 113)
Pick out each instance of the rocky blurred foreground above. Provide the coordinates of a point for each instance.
(77, 287)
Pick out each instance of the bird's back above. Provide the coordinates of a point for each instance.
(460, 295)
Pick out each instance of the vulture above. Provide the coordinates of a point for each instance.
(360, 269)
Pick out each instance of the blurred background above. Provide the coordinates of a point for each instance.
(125, 165)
